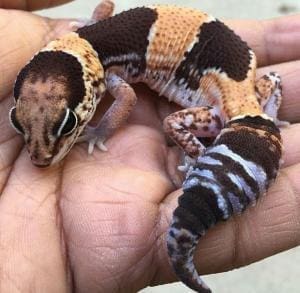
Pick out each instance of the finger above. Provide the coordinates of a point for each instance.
(269, 228)
(31, 253)
(31, 4)
(291, 150)
(273, 41)
(290, 75)
(108, 222)
(22, 35)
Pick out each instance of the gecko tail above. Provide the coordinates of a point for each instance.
(183, 264)
(230, 176)
(191, 219)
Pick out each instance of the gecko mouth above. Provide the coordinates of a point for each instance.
(42, 164)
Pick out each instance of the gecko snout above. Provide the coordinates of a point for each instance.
(41, 162)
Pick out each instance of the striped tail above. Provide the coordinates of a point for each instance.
(232, 173)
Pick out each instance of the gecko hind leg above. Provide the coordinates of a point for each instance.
(185, 126)
(103, 10)
(269, 94)
(116, 115)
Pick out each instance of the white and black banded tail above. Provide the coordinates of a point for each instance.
(232, 173)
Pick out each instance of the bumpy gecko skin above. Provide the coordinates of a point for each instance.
(55, 98)
(192, 59)
(231, 175)
(183, 54)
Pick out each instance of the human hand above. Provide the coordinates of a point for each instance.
(97, 223)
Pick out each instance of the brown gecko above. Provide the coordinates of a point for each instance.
(192, 59)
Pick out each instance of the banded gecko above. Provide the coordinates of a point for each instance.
(189, 57)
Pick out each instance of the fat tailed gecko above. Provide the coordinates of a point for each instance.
(187, 56)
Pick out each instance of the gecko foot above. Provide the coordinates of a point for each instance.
(98, 142)
(281, 124)
(92, 142)
(189, 162)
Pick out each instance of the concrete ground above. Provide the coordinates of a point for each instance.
(277, 274)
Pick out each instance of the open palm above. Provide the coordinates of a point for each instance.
(97, 223)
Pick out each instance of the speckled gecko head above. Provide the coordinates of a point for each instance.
(56, 95)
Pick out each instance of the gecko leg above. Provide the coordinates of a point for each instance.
(103, 10)
(269, 94)
(116, 116)
(185, 126)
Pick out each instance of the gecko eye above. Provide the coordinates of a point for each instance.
(14, 122)
(68, 124)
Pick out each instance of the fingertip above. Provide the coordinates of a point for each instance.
(274, 40)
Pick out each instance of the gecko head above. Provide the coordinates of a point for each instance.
(53, 105)
(42, 115)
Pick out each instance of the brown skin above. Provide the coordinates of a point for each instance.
(97, 223)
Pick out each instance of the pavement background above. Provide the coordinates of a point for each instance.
(277, 274)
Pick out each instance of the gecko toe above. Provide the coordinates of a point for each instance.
(101, 146)
(91, 145)
(189, 162)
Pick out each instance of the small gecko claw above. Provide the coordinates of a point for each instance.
(101, 146)
(91, 145)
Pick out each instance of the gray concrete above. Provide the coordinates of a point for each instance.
(222, 9)
(277, 274)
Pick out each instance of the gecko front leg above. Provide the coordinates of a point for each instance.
(185, 126)
(115, 117)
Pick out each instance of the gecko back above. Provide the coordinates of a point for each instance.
(184, 54)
